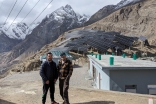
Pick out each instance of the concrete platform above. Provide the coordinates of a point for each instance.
(123, 63)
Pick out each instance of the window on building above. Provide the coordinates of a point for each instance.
(89, 65)
(96, 76)
(94, 73)
(152, 89)
(131, 88)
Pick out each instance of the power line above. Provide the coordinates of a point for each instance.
(17, 6)
(18, 3)
(10, 11)
(30, 11)
(18, 14)
(42, 11)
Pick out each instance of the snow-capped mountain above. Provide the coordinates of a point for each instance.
(66, 12)
(17, 30)
(82, 18)
(50, 28)
(21, 30)
(14, 35)
(107, 10)
(125, 2)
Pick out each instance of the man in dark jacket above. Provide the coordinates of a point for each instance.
(65, 70)
(49, 75)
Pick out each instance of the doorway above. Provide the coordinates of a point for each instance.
(100, 81)
(94, 73)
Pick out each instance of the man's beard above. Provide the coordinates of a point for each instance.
(49, 59)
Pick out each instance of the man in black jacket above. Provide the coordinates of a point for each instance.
(49, 75)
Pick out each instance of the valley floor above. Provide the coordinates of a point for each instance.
(26, 88)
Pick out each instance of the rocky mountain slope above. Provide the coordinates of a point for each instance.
(134, 20)
(107, 10)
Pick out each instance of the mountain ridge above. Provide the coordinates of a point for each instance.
(108, 9)
(136, 20)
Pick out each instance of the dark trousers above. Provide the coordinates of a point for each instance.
(64, 86)
(46, 87)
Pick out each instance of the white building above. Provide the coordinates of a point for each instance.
(126, 75)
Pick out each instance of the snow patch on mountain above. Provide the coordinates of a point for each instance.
(82, 18)
(17, 30)
(31, 27)
(125, 2)
(66, 12)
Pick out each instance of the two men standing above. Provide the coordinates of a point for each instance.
(50, 73)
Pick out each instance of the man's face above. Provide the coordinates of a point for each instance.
(63, 58)
(49, 57)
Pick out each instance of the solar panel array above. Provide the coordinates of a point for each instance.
(101, 41)
(79, 48)
(96, 45)
(76, 42)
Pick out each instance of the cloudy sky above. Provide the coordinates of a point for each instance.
(88, 7)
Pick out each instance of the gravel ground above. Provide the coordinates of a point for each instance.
(78, 77)
(26, 88)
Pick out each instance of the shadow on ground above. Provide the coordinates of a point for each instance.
(76, 66)
(97, 102)
(5, 102)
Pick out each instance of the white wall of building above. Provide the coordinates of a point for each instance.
(102, 79)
